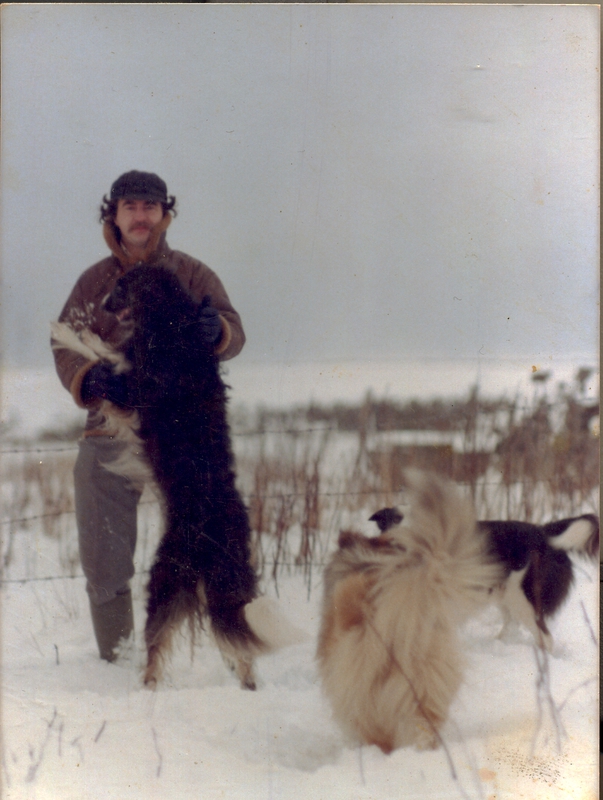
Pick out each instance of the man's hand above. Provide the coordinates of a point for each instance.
(100, 381)
(211, 327)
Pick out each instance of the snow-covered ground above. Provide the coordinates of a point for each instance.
(76, 728)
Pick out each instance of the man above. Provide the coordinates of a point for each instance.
(135, 219)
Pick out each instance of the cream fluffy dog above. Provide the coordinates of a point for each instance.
(388, 650)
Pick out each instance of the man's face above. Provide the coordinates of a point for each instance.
(136, 219)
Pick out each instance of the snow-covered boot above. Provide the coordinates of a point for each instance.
(112, 622)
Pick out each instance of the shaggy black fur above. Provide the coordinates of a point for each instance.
(202, 564)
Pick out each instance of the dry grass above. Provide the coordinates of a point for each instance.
(304, 480)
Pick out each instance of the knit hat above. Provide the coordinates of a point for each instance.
(139, 186)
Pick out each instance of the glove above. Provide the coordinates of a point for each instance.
(211, 327)
(101, 381)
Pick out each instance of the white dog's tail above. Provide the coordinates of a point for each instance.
(271, 626)
(578, 534)
(442, 539)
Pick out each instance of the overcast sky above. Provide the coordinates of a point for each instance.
(370, 182)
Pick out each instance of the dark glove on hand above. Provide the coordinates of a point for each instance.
(211, 327)
(101, 381)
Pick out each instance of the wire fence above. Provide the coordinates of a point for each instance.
(46, 578)
(246, 497)
(541, 459)
(261, 432)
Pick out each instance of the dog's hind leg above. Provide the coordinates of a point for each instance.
(168, 605)
(517, 606)
(237, 642)
(238, 657)
(230, 585)
(158, 637)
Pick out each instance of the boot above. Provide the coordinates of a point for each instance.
(112, 622)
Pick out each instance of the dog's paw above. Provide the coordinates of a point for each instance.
(249, 683)
(246, 674)
(150, 678)
(243, 669)
(546, 642)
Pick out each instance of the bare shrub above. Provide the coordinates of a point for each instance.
(37, 489)
(307, 473)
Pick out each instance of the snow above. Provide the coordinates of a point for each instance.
(33, 400)
(77, 728)
(74, 727)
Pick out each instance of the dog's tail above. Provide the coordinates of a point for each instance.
(271, 626)
(440, 534)
(260, 627)
(578, 534)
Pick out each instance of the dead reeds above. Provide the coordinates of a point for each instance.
(306, 473)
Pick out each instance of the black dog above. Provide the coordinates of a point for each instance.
(202, 565)
(538, 573)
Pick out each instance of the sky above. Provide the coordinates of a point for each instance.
(370, 182)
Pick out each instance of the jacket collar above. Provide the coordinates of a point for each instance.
(153, 250)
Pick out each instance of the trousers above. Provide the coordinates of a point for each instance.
(105, 509)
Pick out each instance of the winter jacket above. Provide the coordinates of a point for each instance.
(84, 307)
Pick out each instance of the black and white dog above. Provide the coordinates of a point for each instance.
(176, 426)
(538, 572)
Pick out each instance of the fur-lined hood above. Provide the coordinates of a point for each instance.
(155, 246)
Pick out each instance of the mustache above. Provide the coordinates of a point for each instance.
(143, 225)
